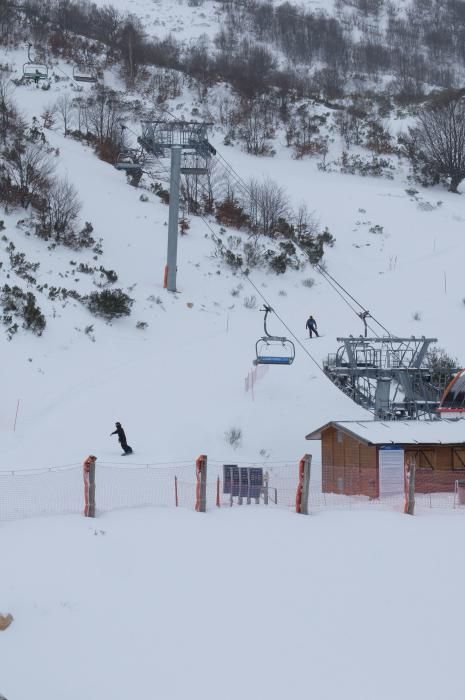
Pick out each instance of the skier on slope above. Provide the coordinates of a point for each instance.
(127, 450)
(311, 325)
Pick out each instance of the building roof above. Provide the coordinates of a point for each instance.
(412, 432)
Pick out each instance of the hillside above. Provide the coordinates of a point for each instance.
(397, 252)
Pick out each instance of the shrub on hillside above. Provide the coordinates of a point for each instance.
(233, 437)
(109, 303)
(230, 213)
(314, 245)
(17, 303)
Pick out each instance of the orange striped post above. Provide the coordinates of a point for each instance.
(88, 469)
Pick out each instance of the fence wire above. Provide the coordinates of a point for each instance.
(60, 490)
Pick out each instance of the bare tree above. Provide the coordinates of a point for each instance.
(255, 127)
(64, 107)
(103, 118)
(130, 44)
(27, 169)
(6, 104)
(267, 204)
(439, 140)
(63, 207)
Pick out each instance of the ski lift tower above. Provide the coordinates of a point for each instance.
(183, 139)
(388, 376)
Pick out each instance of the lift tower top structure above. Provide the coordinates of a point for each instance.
(389, 376)
(180, 137)
(158, 135)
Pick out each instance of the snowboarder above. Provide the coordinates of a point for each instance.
(127, 450)
(311, 325)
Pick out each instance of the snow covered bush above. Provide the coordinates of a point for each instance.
(109, 303)
(233, 437)
(23, 305)
(250, 302)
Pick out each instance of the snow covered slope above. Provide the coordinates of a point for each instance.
(178, 386)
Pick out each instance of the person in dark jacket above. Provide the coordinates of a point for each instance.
(311, 325)
(122, 439)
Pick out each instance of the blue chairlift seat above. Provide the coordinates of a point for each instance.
(274, 350)
(270, 360)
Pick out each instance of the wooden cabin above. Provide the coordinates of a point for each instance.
(368, 457)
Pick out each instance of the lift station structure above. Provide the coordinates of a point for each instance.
(388, 376)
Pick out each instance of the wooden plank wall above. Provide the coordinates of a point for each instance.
(351, 468)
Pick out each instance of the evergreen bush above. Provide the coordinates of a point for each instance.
(109, 303)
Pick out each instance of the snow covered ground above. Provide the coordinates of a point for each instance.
(242, 602)
(251, 602)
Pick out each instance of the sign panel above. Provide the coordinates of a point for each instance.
(391, 470)
(255, 481)
(227, 468)
(243, 482)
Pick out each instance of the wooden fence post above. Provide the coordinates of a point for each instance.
(306, 484)
(303, 485)
(89, 486)
(410, 478)
(201, 489)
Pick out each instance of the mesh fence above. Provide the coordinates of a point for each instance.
(356, 488)
(60, 490)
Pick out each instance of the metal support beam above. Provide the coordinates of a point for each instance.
(172, 254)
(382, 397)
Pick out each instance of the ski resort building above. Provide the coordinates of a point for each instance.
(368, 457)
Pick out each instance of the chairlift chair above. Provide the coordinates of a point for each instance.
(84, 73)
(273, 349)
(128, 160)
(33, 70)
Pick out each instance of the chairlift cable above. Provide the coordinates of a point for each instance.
(229, 168)
(329, 278)
(326, 275)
